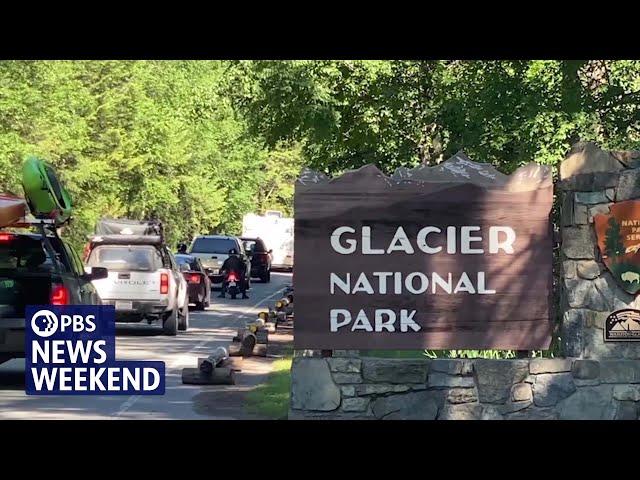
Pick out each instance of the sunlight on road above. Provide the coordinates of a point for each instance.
(208, 330)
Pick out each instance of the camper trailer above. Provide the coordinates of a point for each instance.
(277, 233)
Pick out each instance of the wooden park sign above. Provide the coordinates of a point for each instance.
(455, 256)
(618, 234)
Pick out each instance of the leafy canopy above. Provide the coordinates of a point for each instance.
(141, 139)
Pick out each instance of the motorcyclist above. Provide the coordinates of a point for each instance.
(235, 264)
(182, 248)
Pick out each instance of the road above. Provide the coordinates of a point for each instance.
(212, 328)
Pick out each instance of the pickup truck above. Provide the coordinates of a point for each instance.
(38, 269)
(144, 281)
(213, 250)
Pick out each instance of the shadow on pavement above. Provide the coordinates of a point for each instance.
(142, 329)
(208, 329)
(12, 379)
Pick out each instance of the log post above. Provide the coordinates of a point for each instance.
(235, 349)
(218, 376)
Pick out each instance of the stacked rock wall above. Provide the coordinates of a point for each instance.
(353, 387)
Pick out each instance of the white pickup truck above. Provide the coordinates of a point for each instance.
(144, 281)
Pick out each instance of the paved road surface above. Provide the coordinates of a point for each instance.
(207, 330)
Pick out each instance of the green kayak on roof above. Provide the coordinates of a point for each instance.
(45, 195)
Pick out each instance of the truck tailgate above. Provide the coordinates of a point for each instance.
(211, 260)
(123, 285)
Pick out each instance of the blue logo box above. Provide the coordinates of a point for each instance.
(71, 350)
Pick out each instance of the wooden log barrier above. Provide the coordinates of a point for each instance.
(218, 376)
(282, 303)
(260, 350)
(254, 325)
(214, 360)
(235, 349)
(285, 328)
(234, 363)
(239, 335)
(248, 344)
(262, 335)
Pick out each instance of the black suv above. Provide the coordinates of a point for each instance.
(38, 269)
(260, 257)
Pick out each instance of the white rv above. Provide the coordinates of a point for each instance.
(277, 233)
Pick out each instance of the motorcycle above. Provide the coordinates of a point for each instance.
(232, 287)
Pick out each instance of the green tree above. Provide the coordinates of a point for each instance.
(142, 139)
(282, 167)
(392, 113)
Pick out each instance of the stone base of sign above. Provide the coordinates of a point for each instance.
(356, 387)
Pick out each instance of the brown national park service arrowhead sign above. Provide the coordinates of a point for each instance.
(618, 235)
(454, 256)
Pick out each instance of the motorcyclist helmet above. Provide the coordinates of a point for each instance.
(233, 251)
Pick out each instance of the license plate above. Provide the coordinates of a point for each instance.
(232, 284)
(124, 305)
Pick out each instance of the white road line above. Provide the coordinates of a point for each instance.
(127, 404)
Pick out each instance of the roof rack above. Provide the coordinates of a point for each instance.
(31, 222)
(119, 239)
(127, 227)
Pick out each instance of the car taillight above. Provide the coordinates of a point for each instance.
(59, 295)
(6, 237)
(164, 283)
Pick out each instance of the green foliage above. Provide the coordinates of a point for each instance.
(494, 354)
(281, 168)
(142, 139)
(199, 143)
(393, 113)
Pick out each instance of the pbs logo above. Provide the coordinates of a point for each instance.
(44, 323)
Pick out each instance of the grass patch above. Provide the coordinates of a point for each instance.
(495, 354)
(271, 399)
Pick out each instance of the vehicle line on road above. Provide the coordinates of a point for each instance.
(127, 404)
